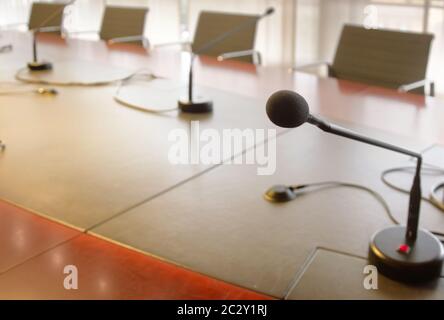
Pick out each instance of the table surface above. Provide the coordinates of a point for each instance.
(85, 160)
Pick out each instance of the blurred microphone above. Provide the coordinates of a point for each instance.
(268, 12)
(202, 105)
(35, 64)
(404, 253)
(235, 30)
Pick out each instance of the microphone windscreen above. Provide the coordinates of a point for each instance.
(269, 11)
(287, 109)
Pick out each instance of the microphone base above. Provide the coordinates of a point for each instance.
(422, 261)
(197, 106)
(279, 193)
(39, 66)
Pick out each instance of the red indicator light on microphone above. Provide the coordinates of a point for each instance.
(403, 248)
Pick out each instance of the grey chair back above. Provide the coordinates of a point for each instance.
(46, 14)
(212, 24)
(121, 22)
(381, 57)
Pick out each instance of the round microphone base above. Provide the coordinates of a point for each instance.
(39, 66)
(421, 261)
(280, 193)
(196, 106)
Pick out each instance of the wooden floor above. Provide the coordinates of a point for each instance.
(35, 251)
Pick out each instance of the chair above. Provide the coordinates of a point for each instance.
(379, 57)
(46, 16)
(238, 46)
(123, 24)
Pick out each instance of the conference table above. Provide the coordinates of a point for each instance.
(85, 160)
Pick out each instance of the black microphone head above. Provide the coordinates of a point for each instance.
(269, 11)
(287, 109)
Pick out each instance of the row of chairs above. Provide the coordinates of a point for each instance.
(127, 24)
(379, 57)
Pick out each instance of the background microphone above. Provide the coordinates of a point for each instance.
(35, 64)
(268, 12)
(193, 105)
(404, 253)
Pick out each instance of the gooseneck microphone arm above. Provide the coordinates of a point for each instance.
(35, 33)
(415, 192)
(35, 65)
(190, 78)
(337, 130)
(34, 46)
(188, 106)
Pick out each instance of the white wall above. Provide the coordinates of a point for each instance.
(319, 24)
(14, 11)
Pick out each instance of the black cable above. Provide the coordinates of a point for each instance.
(6, 48)
(147, 76)
(434, 196)
(41, 90)
(430, 170)
(381, 200)
(335, 184)
(19, 77)
(433, 199)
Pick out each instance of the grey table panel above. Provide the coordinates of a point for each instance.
(336, 275)
(219, 224)
(80, 157)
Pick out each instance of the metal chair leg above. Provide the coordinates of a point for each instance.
(258, 58)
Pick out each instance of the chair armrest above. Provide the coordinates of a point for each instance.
(418, 84)
(6, 48)
(83, 34)
(309, 65)
(257, 58)
(47, 29)
(126, 39)
(83, 31)
(145, 41)
(174, 43)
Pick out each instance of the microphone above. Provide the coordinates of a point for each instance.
(201, 105)
(268, 12)
(403, 253)
(35, 64)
